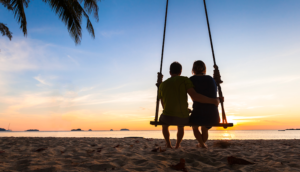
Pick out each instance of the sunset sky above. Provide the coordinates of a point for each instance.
(49, 83)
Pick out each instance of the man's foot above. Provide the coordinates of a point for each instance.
(202, 146)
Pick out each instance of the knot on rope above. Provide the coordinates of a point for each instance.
(217, 75)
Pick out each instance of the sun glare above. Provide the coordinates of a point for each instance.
(230, 119)
(226, 136)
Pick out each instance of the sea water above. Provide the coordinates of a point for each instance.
(221, 134)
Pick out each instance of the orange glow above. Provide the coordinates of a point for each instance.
(74, 119)
(25, 114)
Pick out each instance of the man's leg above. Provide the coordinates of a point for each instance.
(204, 132)
(180, 134)
(198, 136)
(166, 133)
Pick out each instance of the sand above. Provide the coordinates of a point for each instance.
(135, 154)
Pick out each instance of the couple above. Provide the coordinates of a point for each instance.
(173, 95)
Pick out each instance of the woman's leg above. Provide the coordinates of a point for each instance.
(198, 136)
(204, 132)
(166, 133)
(180, 134)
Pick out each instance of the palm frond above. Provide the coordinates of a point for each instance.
(18, 9)
(5, 31)
(6, 4)
(26, 2)
(68, 14)
(91, 6)
(89, 25)
(69, 11)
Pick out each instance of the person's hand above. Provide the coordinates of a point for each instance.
(159, 78)
(216, 101)
(190, 111)
(221, 99)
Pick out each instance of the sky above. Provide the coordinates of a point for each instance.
(49, 83)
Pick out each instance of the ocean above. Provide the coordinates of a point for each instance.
(224, 134)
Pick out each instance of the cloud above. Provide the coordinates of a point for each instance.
(43, 30)
(21, 54)
(12, 104)
(25, 54)
(86, 89)
(119, 98)
(109, 34)
(254, 107)
(273, 121)
(41, 80)
(262, 81)
(73, 60)
(240, 117)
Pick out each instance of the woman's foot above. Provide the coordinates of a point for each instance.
(176, 147)
(202, 146)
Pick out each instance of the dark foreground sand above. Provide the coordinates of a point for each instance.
(130, 154)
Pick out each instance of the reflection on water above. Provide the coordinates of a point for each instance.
(226, 134)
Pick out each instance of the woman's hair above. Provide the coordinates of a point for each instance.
(198, 67)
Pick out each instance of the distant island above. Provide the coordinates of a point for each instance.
(124, 129)
(293, 129)
(2, 129)
(111, 130)
(33, 130)
(78, 129)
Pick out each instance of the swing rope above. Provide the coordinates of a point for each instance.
(217, 75)
(161, 61)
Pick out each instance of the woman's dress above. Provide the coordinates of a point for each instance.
(204, 114)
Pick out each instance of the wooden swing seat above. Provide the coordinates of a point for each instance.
(190, 124)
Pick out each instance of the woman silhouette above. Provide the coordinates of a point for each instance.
(204, 115)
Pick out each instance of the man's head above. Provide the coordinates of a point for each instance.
(175, 69)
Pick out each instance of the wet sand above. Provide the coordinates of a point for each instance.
(138, 154)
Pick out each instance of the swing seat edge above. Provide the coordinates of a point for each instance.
(190, 124)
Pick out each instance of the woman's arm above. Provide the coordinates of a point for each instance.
(201, 98)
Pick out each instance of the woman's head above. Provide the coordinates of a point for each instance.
(199, 68)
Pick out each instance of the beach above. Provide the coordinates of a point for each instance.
(139, 154)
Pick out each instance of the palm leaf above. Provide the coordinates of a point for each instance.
(6, 4)
(18, 9)
(71, 18)
(5, 31)
(90, 6)
(89, 25)
(70, 12)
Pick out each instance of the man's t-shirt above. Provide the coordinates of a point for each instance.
(173, 93)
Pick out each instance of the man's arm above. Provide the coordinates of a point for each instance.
(201, 98)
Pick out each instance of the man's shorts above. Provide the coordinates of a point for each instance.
(173, 120)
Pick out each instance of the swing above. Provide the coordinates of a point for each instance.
(216, 76)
